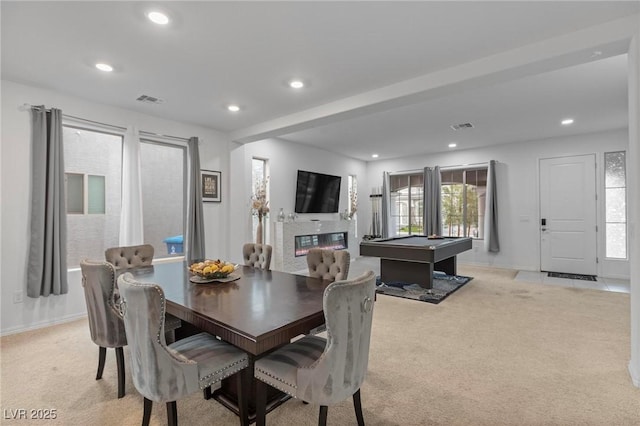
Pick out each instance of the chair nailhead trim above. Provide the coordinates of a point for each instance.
(206, 383)
(266, 373)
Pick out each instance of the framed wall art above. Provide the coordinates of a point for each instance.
(211, 184)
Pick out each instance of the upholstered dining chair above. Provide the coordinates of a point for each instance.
(105, 325)
(257, 255)
(325, 371)
(166, 373)
(126, 257)
(130, 256)
(330, 265)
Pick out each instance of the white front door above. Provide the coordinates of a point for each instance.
(568, 214)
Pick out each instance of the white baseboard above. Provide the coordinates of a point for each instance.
(635, 375)
(42, 324)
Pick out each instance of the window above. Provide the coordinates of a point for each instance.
(162, 172)
(352, 183)
(81, 201)
(93, 162)
(463, 193)
(615, 205)
(406, 192)
(93, 177)
(259, 176)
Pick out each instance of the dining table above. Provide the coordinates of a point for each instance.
(257, 312)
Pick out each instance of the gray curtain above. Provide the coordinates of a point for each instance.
(491, 240)
(432, 211)
(47, 264)
(194, 239)
(386, 205)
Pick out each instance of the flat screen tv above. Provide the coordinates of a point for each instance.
(317, 193)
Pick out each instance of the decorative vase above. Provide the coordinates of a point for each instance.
(281, 216)
(259, 231)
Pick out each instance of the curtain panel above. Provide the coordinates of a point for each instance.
(491, 239)
(131, 222)
(47, 263)
(386, 205)
(194, 241)
(432, 202)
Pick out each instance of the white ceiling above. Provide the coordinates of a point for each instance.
(215, 53)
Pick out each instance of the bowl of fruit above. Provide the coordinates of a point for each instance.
(212, 270)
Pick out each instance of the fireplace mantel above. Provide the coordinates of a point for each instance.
(284, 258)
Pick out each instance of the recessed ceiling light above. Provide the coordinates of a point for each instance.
(104, 67)
(453, 145)
(233, 108)
(158, 18)
(296, 84)
(374, 155)
(567, 121)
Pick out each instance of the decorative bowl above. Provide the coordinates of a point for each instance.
(212, 269)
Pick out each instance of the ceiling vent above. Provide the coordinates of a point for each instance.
(462, 126)
(150, 99)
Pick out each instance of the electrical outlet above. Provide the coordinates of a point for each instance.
(17, 297)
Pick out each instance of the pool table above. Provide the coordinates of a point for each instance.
(413, 258)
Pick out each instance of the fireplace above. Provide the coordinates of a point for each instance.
(332, 240)
(292, 240)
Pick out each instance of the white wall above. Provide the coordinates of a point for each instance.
(284, 161)
(15, 197)
(518, 203)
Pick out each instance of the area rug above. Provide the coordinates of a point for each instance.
(443, 286)
(572, 276)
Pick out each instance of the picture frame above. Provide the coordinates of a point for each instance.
(211, 183)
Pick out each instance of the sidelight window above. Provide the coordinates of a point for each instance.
(615, 205)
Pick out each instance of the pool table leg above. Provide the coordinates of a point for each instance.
(448, 266)
(410, 272)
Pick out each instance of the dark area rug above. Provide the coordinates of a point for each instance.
(572, 276)
(443, 286)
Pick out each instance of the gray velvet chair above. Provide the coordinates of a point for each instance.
(126, 257)
(329, 265)
(325, 371)
(166, 373)
(105, 324)
(257, 255)
(130, 256)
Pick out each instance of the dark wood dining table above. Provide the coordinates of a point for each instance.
(259, 312)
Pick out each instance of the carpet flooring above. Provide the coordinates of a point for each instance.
(498, 352)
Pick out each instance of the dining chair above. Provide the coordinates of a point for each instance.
(105, 325)
(126, 257)
(325, 371)
(257, 255)
(130, 256)
(166, 373)
(328, 264)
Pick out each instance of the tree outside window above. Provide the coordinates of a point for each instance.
(463, 193)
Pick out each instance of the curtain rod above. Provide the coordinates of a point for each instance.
(459, 166)
(25, 107)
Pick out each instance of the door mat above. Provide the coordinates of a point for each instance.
(572, 276)
(443, 286)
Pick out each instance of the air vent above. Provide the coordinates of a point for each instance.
(462, 126)
(150, 99)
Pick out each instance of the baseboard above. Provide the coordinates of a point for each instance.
(42, 324)
(635, 375)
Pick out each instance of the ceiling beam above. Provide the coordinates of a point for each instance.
(611, 38)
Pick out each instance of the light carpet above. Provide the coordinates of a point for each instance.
(501, 352)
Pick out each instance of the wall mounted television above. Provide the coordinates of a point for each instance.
(317, 193)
